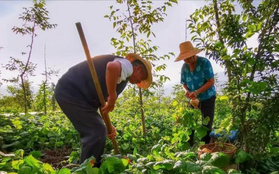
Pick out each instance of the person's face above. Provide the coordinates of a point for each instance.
(190, 60)
(137, 75)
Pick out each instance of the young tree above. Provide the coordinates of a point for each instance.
(226, 36)
(135, 23)
(21, 89)
(34, 18)
(44, 98)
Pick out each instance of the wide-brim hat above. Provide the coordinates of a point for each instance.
(186, 51)
(147, 82)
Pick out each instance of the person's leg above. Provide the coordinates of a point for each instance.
(207, 109)
(87, 122)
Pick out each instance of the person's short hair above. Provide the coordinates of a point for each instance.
(139, 63)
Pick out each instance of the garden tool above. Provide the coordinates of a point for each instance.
(97, 84)
(195, 103)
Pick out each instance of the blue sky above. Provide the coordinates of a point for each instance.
(63, 45)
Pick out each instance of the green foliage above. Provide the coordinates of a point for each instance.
(87, 167)
(16, 163)
(44, 99)
(219, 160)
(15, 102)
(36, 132)
(135, 23)
(242, 156)
(163, 150)
(33, 18)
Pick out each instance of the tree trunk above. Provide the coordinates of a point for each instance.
(53, 98)
(45, 83)
(44, 98)
(216, 11)
(142, 114)
(24, 94)
(140, 92)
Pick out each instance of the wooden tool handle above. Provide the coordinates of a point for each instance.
(97, 83)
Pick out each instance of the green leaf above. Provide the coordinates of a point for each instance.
(155, 149)
(233, 171)
(64, 171)
(206, 156)
(275, 150)
(175, 1)
(251, 61)
(148, 34)
(48, 169)
(219, 159)
(276, 47)
(25, 170)
(36, 154)
(125, 146)
(114, 163)
(125, 162)
(249, 34)
(244, 17)
(179, 165)
(218, 44)
(166, 164)
(4, 146)
(90, 170)
(226, 57)
(241, 156)
(19, 153)
(33, 162)
(212, 170)
(17, 163)
(202, 131)
(192, 167)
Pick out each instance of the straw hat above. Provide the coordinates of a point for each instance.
(186, 51)
(147, 82)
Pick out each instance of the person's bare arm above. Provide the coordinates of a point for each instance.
(112, 74)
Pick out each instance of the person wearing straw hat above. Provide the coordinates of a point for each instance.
(197, 78)
(77, 97)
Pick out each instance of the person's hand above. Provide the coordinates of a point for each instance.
(187, 94)
(113, 134)
(107, 108)
(193, 95)
(110, 104)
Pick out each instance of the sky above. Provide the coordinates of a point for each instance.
(63, 46)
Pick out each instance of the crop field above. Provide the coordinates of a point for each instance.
(160, 128)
